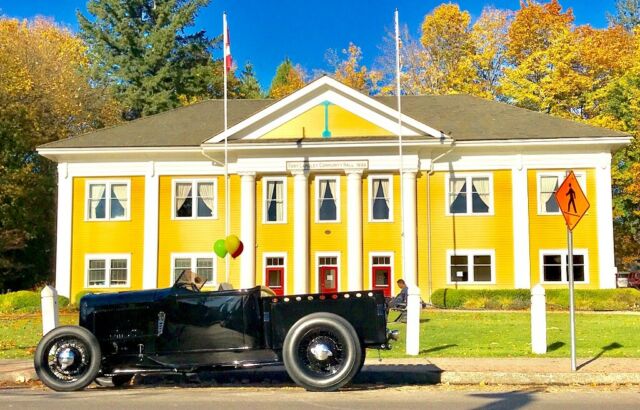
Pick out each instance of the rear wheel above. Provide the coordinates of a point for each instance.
(67, 358)
(322, 352)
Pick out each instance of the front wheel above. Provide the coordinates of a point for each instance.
(68, 358)
(322, 352)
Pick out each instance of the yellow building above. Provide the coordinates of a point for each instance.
(318, 199)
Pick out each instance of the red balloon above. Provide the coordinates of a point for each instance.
(238, 251)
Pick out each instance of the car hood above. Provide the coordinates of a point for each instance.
(104, 300)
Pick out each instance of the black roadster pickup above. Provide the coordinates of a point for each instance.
(320, 338)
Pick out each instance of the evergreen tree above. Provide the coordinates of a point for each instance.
(249, 86)
(627, 14)
(287, 80)
(143, 51)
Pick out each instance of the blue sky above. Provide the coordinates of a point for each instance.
(265, 32)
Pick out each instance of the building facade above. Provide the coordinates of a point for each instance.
(318, 199)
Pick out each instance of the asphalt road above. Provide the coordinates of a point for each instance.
(361, 397)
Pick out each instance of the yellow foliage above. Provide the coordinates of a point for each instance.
(350, 72)
(294, 82)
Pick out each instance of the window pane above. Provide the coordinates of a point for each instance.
(118, 272)
(118, 200)
(457, 196)
(552, 260)
(482, 273)
(548, 186)
(578, 268)
(97, 201)
(482, 260)
(97, 272)
(480, 195)
(183, 200)
(205, 199)
(327, 210)
(380, 207)
(179, 265)
(274, 278)
(275, 201)
(459, 268)
(381, 277)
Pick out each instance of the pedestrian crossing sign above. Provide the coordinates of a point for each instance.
(572, 201)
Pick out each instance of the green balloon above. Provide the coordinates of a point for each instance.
(220, 248)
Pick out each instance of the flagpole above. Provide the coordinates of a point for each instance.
(400, 155)
(225, 35)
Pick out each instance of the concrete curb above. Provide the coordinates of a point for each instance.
(549, 379)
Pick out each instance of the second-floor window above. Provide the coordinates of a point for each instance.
(107, 200)
(275, 207)
(470, 195)
(327, 199)
(381, 198)
(548, 184)
(195, 199)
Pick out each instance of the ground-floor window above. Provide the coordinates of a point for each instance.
(204, 264)
(381, 269)
(554, 266)
(107, 270)
(274, 268)
(471, 266)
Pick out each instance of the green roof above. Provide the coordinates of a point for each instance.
(462, 117)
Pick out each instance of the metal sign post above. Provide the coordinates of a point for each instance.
(572, 309)
(574, 205)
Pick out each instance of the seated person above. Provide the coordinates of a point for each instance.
(401, 298)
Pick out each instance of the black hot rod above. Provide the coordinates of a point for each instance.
(320, 338)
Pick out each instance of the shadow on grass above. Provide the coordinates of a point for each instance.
(555, 346)
(437, 348)
(609, 347)
(507, 400)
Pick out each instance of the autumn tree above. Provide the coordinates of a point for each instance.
(349, 70)
(145, 52)
(45, 95)
(489, 35)
(627, 14)
(288, 78)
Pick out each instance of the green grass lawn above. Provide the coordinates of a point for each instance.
(443, 334)
(508, 334)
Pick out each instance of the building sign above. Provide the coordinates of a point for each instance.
(326, 165)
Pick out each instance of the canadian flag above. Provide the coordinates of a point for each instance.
(227, 44)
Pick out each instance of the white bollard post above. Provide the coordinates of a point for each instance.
(49, 300)
(538, 320)
(413, 320)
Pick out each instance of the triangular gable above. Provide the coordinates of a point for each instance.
(354, 114)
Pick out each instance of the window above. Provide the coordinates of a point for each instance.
(328, 199)
(195, 199)
(380, 198)
(548, 184)
(554, 266)
(470, 194)
(107, 271)
(274, 191)
(107, 200)
(471, 266)
(204, 264)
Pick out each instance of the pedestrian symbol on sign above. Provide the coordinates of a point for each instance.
(572, 199)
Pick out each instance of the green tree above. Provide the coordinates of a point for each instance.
(45, 95)
(288, 78)
(142, 50)
(627, 14)
(248, 86)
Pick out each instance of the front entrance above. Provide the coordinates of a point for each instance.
(274, 273)
(328, 274)
(381, 273)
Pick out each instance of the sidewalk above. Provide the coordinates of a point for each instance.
(510, 371)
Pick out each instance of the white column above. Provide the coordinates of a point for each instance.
(409, 229)
(354, 229)
(414, 308)
(248, 229)
(521, 261)
(63, 231)
(538, 320)
(151, 206)
(49, 304)
(604, 213)
(300, 233)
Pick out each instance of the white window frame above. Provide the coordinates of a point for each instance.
(561, 175)
(336, 196)
(319, 255)
(194, 198)
(390, 265)
(107, 205)
(564, 253)
(469, 178)
(284, 272)
(370, 179)
(265, 192)
(107, 257)
(194, 256)
(470, 253)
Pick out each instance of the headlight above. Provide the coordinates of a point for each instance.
(393, 334)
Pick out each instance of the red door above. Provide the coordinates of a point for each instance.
(381, 279)
(275, 280)
(328, 279)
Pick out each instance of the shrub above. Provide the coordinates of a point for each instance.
(25, 301)
(520, 299)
